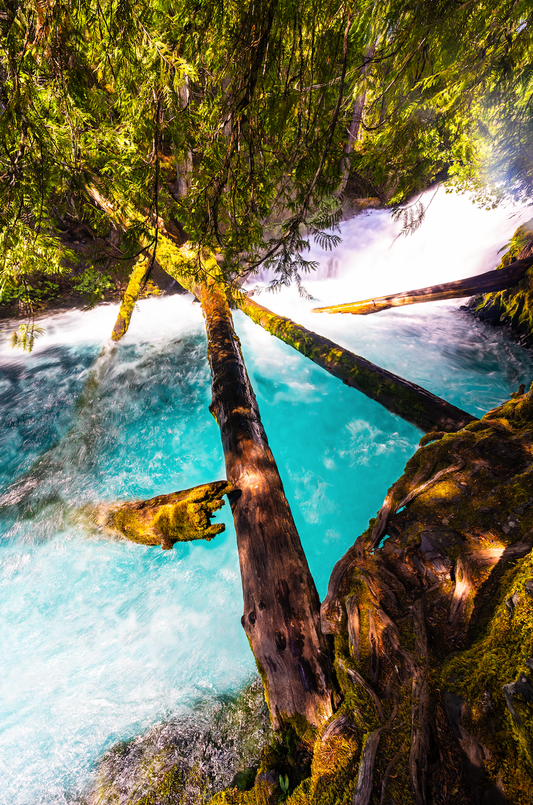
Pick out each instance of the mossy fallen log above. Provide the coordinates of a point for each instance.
(495, 280)
(166, 519)
(413, 403)
(281, 605)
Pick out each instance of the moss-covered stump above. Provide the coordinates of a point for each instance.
(432, 614)
(513, 307)
(185, 760)
(166, 519)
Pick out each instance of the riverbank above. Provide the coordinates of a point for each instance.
(512, 308)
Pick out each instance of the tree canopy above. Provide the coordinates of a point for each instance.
(232, 124)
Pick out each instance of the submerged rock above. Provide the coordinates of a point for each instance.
(185, 760)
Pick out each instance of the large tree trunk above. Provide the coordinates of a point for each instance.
(281, 605)
(496, 280)
(411, 402)
(166, 519)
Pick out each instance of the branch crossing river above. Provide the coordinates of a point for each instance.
(104, 638)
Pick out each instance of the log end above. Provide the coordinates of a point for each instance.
(164, 520)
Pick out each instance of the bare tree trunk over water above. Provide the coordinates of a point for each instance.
(281, 604)
(496, 280)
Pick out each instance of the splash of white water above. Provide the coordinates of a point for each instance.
(104, 638)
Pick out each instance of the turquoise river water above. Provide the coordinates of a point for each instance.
(102, 639)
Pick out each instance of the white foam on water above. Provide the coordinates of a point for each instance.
(103, 639)
(457, 239)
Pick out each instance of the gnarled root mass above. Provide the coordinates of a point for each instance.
(432, 612)
(166, 519)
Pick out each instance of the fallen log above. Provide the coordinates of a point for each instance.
(166, 519)
(413, 403)
(496, 280)
(281, 604)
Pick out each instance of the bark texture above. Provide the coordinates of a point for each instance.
(484, 283)
(166, 519)
(411, 402)
(281, 605)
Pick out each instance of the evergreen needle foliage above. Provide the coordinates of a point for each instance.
(235, 123)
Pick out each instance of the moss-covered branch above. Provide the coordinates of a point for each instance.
(131, 295)
(411, 402)
(167, 519)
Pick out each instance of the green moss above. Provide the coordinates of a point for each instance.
(515, 306)
(167, 519)
(521, 240)
(478, 675)
(132, 293)
(392, 392)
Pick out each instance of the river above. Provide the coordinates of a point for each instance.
(101, 638)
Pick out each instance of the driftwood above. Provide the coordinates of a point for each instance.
(413, 403)
(496, 280)
(281, 605)
(166, 519)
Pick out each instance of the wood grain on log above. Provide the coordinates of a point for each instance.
(496, 280)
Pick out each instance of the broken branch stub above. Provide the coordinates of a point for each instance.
(166, 519)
